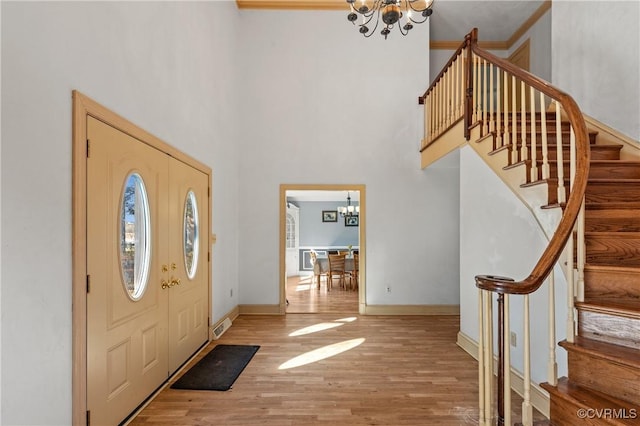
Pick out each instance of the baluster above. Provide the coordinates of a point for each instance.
(507, 362)
(491, 125)
(552, 365)
(436, 93)
(570, 291)
(481, 351)
(460, 95)
(581, 253)
(523, 118)
(488, 356)
(485, 96)
(447, 99)
(534, 147)
(514, 124)
(499, 130)
(505, 134)
(432, 119)
(476, 88)
(527, 410)
(560, 158)
(451, 88)
(543, 132)
(426, 121)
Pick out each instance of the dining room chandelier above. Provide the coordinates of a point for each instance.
(349, 210)
(392, 11)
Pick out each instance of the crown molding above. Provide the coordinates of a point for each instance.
(436, 45)
(293, 4)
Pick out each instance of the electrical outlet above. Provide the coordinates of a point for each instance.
(388, 289)
(230, 292)
(514, 339)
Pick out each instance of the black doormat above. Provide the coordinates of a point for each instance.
(218, 369)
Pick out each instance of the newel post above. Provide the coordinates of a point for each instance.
(470, 38)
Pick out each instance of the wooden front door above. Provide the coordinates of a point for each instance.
(147, 269)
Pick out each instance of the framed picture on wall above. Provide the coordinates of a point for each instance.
(351, 221)
(329, 215)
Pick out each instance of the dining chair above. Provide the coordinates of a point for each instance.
(317, 272)
(355, 272)
(336, 269)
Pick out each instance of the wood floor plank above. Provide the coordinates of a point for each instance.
(359, 370)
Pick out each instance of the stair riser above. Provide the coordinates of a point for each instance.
(552, 138)
(598, 152)
(609, 328)
(611, 284)
(612, 221)
(620, 381)
(612, 192)
(615, 249)
(565, 413)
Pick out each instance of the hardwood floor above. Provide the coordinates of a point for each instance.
(335, 369)
(305, 297)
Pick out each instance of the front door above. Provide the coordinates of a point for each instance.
(188, 255)
(147, 269)
(127, 306)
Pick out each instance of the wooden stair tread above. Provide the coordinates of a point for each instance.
(591, 399)
(611, 268)
(618, 354)
(616, 307)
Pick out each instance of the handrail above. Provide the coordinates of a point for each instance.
(573, 205)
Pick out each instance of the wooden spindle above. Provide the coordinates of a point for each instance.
(543, 132)
(499, 130)
(523, 122)
(481, 361)
(581, 253)
(552, 365)
(560, 158)
(514, 124)
(506, 139)
(485, 96)
(488, 356)
(534, 147)
(570, 292)
(527, 410)
(501, 360)
(507, 362)
(491, 125)
(476, 88)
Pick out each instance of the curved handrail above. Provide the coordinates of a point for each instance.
(573, 206)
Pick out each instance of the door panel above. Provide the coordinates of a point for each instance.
(188, 252)
(126, 338)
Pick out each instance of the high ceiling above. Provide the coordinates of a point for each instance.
(499, 22)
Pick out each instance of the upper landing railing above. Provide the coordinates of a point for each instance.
(523, 114)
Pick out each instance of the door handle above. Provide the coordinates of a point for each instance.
(174, 281)
(165, 284)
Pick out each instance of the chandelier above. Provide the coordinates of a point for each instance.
(349, 210)
(392, 11)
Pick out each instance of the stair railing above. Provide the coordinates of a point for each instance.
(503, 101)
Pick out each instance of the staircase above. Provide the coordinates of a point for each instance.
(544, 160)
(603, 383)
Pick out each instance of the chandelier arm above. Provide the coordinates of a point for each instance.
(371, 32)
(419, 22)
(410, 4)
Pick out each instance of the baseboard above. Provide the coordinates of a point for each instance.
(259, 310)
(411, 310)
(539, 397)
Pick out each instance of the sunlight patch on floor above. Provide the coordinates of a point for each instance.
(315, 328)
(321, 353)
(350, 319)
(303, 287)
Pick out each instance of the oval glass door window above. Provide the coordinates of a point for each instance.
(135, 236)
(191, 234)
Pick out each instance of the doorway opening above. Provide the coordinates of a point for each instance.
(312, 225)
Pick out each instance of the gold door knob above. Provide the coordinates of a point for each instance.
(173, 266)
(165, 268)
(165, 284)
(175, 281)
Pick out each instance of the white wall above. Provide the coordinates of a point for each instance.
(333, 107)
(596, 59)
(169, 67)
(500, 236)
